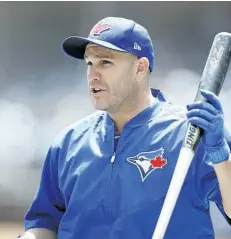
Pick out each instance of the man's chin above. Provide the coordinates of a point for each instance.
(100, 107)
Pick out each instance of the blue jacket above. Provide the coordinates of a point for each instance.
(89, 189)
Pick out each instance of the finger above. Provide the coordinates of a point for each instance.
(203, 105)
(201, 113)
(202, 123)
(212, 98)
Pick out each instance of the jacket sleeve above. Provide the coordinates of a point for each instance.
(207, 182)
(48, 205)
(215, 194)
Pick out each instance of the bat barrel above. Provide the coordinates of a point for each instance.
(217, 65)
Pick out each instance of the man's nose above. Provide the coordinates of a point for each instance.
(93, 74)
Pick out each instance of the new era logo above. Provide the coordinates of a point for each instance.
(137, 47)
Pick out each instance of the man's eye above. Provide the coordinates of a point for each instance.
(105, 62)
(89, 63)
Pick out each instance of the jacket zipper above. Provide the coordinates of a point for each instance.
(110, 198)
(112, 171)
(113, 158)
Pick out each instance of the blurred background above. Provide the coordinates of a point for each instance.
(42, 91)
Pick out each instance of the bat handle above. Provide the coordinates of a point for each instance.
(184, 161)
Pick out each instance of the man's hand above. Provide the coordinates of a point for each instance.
(209, 117)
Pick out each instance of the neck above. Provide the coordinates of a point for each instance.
(124, 114)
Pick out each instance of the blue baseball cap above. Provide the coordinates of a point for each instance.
(115, 33)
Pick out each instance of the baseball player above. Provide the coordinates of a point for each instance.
(107, 175)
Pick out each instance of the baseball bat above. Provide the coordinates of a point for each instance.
(212, 79)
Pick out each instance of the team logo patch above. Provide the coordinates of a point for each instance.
(147, 162)
(100, 27)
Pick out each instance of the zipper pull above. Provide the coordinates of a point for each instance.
(113, 158)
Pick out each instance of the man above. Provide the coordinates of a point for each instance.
(107, 175)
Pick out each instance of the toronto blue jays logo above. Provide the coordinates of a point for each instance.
(146, 162)
(100, 27)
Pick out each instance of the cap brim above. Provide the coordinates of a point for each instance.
(75, 46)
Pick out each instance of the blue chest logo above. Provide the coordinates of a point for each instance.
(147, 162)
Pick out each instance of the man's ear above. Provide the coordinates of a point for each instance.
(143, 66)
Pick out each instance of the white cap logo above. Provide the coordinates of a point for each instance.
(137, 47)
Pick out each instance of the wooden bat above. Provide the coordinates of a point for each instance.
(212, 79)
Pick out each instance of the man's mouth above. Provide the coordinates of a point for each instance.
(96, 90)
